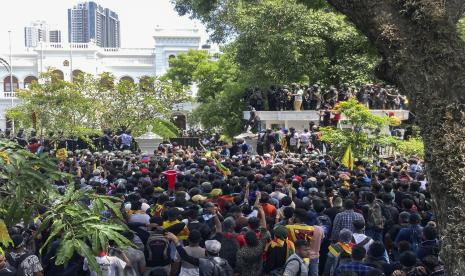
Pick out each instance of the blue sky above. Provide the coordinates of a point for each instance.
(138, 19)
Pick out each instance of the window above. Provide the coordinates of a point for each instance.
(7, 84)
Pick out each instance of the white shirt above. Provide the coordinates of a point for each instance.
(293, 140)
(360, 237)
(298, 95)
(305, 137)
(108, 264)
(144, 206)
(140, 218)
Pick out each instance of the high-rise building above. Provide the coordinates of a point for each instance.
(89, 21)
(36, 32)
(55, 36)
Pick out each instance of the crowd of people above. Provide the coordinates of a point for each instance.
(109, 141)
(315, 97)
(286, 212)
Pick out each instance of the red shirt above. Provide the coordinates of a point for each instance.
(269, 209)
(33, 147)
(222, 201)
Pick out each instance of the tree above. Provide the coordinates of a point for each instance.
(364, 131)
(220, 92)
(90, 104)
(26, 187)
(56, 105)
(284, 41)
(424, 56)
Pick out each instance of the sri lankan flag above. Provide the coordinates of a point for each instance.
(348, 159)
(339, 247)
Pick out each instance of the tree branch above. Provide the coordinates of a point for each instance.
(379, 20)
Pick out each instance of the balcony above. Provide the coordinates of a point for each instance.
(9, 95)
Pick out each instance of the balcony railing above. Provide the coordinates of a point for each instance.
(9, 94)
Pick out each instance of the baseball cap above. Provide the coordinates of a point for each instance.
(213, 246)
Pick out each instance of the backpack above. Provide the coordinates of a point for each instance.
(375, 216)
(387, 215)
(280, 271)
(158, 250)
(219, 269)
(17, 262)
(229, 248)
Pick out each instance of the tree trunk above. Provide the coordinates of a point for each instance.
(423, 55)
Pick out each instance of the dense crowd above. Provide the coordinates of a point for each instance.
(287, 212)
(314, 97)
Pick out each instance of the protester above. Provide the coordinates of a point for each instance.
(374, 96)
(293, 210)
(295, 264)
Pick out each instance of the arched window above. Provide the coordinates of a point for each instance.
(78, 75)
(28, 81)
(66, 63)
(7, 84)
(127, 78)
(58, 74)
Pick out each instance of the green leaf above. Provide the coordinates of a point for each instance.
(84, 250)
(57, 226)
(109, 204)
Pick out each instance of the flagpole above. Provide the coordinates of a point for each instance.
(11, 81)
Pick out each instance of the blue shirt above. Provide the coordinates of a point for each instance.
(412, 234)
(126, 139)
(358, 267)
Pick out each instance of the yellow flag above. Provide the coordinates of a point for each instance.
(62, 153)
(348, 159)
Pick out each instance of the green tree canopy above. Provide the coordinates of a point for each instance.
(92, 103)
(284, 41)
(220, 88)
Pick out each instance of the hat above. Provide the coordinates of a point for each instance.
(280, 232)
(213, 246)
(158, 190)
(216, 192)
(199, 198)
(312, 179)
(345, 235)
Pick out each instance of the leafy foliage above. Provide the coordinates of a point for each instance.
(26, 186)
(411, 147)
(363, 134)
(285, 41)
(91, 104)
(220, 89)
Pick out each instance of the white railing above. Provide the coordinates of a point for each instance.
(9, 94)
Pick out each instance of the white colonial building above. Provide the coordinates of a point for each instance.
(69, 60)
